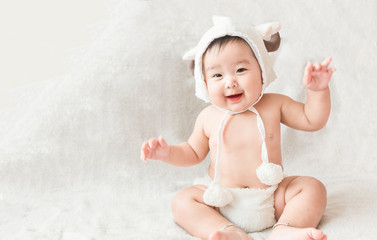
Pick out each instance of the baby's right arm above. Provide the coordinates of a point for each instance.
(183, 155)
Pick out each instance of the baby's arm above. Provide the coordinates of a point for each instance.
(314, 114)
(185, 154)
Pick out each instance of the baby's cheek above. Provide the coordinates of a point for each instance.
(212, 91)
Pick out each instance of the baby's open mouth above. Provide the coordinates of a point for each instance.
(235, 97)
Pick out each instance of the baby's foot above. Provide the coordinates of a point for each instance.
(231, 233)
(291, 233)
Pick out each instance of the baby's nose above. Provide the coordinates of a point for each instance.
(231, 82)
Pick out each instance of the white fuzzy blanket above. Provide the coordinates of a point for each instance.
(69, 152)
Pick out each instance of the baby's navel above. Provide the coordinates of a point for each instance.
(270, 137)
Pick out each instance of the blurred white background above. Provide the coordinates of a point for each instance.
(35, 37)
(69, 152)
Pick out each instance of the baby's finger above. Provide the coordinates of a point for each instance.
(307, 73)
(326, 62)
(143, 156)
(145, 146)
(144, 151)
(162, 142)
(318, 66)
(153, 143)
(308, 68)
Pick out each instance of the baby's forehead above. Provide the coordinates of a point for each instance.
(218, 45)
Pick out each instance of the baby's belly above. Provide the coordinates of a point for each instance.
(235, 173)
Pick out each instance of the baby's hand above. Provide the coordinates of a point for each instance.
(155, 149)
(317, 77)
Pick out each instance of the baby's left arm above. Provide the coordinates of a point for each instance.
(314, 114)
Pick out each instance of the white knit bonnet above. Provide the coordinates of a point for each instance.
(254, 36)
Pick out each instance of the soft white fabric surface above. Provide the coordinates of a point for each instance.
(69, 152)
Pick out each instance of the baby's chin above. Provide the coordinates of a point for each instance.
(235, 107)
(239, 106)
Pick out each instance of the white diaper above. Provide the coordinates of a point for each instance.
(251, 209)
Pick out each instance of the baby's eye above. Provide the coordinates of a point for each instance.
(217, 75)
(240, 70)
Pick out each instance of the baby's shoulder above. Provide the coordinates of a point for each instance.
(207, 113)
(273, 99)
(273, 96)
(271, 104)
(205, 120)
(209, 116)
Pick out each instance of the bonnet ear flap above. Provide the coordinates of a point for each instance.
(270, 35)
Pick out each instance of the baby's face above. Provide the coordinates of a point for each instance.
(233, 76)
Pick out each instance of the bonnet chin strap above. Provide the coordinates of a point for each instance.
(220, 136)
(262, 132)
(268, 173)
(220, 132)
(216, 179)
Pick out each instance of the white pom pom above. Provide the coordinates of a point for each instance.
(270, 173)
(217, 195)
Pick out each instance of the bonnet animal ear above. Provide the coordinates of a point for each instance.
(273, 44)
(190, 56)
(270, 35)
(192, 67)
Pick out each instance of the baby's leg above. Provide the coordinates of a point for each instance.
(201, 220)
(301, 202)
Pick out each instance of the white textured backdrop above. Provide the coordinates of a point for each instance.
(69, 150)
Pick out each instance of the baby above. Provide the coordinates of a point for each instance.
(246, 189)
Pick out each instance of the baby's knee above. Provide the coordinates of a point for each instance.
(305, 186)
(179, 200)
(182, 199)
(313, 184)
(314, 189)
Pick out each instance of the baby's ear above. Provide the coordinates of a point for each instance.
(273, 44)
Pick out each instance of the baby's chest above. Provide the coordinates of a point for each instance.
(239, 133)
